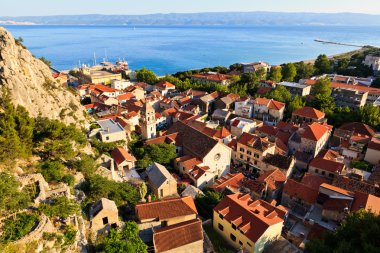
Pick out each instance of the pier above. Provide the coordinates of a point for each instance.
(337, 43)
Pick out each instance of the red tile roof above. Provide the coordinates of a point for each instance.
(125, 96)
(337, 189)
(270, 103)
(374, 144)
(336, 85)
(309, 112)
(103, 88)
(263, 90)
(273, 178)
(267, 129)
(315, 131)
(327, 165)
(251, 217)
(367, 202)
(164, 85)
(120, 155)
(301, 191)
(358, 128)
(233, 181)
(177, 235)
(314, 181)
(212, 77)
(166, 209)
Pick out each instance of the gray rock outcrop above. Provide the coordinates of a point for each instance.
(30, 84)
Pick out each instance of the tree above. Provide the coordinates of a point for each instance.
(126, 240)
(358, 233)
(11, 198)
(261, 74)
(322, 87)
(97, 187)
(275, 74)
(86, 164)
(289, 71)
(15, 228)
(52, 171)
(60, 207)
(324, 104)
(162, 153)
(376, 83)
(370, 115)
(46, 61)
(343, 115)
(304, 70)
(322, 65)
(208, 201)
(281, 94)
(295, 104)
(146, 76)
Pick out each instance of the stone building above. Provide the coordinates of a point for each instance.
(161, 181)
(104, 215)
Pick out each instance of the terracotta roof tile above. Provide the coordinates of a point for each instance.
(366, 201)
(166, 209)
(252, 217)
(233, 181)
(327, 165)
(309, 112)
(177, 235)
(300, 190)
(120, 155)
(314, 131)
(335, 85)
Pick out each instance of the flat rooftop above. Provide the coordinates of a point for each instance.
(294, 85)
(110, 126)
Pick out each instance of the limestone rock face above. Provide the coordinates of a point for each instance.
(31, 85)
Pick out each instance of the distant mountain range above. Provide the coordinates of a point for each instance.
(211, 18)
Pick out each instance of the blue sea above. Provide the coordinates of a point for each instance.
(168, 49)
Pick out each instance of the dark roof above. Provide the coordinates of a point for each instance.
(180, 234)
(280, 161)
(358, 128)
(192, 141)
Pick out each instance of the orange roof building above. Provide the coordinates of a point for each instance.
(247, 223)
(307, 115)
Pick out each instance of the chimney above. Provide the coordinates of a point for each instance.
(149, 198)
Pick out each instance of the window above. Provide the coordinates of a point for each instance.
(241, 156)
(233, 226)
(107, 138)
(233, 238)
(249, 244)
(221, 216)
(323, 173)
(161, 192)
(249, 152)
(331, 175)
(242, 149)
(255, 162)
(256, 155)
(316, 171)
(105, 220)
(220, 226)
(248, 159)
(240, 243)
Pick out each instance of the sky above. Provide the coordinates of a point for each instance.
(74, 7)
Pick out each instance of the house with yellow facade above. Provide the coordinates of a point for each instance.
(247, 224)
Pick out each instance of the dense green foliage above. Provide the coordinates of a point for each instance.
(146, 76)
(275, 74)
(105, 147)
(280, 93)
(162, 153)
(322, 87)
(206, 203)
(97, 187)
(289, 72)
(126, 240)
(322, 65)
(362, 165)
(60, 207)
(359, 233)
(11, 198)
(376, 83)
(15, 229)
(69, 235)
(86, 164)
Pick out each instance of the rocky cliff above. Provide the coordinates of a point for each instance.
(30, 84)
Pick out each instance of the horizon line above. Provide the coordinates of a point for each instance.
(205, 12)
